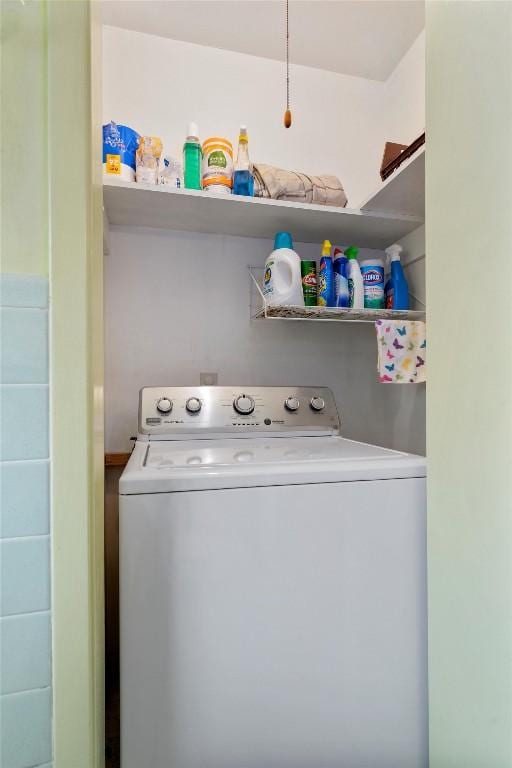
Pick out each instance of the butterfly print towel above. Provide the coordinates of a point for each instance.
(402, 351)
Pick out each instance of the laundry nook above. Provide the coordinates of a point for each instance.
(254, 477)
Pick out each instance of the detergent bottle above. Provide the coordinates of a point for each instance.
(282, 282)
(396, 290)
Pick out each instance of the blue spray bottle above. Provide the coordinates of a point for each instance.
(243, 178)
(396, 289)
(325, 284)
(340, 278)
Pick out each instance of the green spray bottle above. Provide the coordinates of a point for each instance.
(192, 156)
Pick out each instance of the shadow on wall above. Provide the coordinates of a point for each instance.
(182, 299)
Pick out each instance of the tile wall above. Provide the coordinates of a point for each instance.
(25, 583)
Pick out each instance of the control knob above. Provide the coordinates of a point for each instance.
(317, 403)
(164, 405)
(193, 405)
(291, 404)
(243, 404)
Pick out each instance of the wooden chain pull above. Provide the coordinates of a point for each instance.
(287, 120)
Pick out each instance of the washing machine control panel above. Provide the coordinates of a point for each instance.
(196, 412)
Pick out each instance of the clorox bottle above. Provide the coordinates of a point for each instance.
(372, 271)
(282, 282)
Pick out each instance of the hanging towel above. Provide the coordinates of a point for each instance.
(402, 351)
(278, 184)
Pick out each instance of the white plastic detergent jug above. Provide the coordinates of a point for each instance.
(282, 282)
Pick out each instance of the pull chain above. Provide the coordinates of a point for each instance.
(287, 115)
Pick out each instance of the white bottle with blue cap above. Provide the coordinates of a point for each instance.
(282, 281)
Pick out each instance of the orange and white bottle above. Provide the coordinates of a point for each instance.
(217, 165)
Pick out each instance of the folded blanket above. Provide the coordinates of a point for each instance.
(279, 184)
(402, 351)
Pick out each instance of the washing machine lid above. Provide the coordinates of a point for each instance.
(167, 466)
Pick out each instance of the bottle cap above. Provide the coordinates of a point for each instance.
(337, 253)
(326, 248)
(193, 131)
(351, 252)
(394, 251)
(243, 137)
(283, 240)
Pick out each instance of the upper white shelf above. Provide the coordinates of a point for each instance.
(403, 193)
(145, 205)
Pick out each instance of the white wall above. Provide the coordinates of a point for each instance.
(341, 123)
(403, 105)
(401, 113)
(413, 262)
(157, 85)
(178, 303)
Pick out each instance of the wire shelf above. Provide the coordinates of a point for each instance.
(261, 310)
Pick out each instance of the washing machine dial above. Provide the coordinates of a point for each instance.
(317, 403)
(164, 405)
(243, 404)
(193, 405)
(291, 404)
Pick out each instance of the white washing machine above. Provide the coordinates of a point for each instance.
(272, 587)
